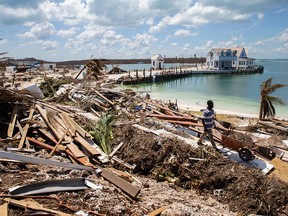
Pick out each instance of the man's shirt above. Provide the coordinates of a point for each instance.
(208, 117)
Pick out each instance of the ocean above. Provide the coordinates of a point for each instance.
(233, 93)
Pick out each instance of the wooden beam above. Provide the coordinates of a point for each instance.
(12, 122)
(93, 151)
(57, 144)
(32, 204)
(22, 132)
(45, 118)
(75, 150)
(116, 149)
(176, 118)
(4, 209)
(157, 211)
(25, 130)
(103, 97)
(73, 125)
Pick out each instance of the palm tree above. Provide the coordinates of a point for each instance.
(266, 99)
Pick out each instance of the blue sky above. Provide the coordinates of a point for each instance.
(79, 29)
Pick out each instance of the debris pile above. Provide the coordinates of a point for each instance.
(89, 150)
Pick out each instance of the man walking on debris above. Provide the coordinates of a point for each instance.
(208, 123)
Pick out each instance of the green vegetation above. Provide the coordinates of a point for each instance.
(102, 132)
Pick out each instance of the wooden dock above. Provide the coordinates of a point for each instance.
(142, 77)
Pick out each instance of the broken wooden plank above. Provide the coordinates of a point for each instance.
(32, 204)
(25, 130)
(121, 183)
(84, 160)
(116, 149)
(93, 151)
(43, 145)
(47, 135)
(45, 118)
(22, 132)
(104, 98)
(4, 209)
(132, 167)
(12, 122)
(169, 117)
(57, 144)
(185, 123)
(157, 211)
(269, 124)
(75, 126)
(75, 150)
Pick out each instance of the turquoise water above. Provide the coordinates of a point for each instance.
(237, 93)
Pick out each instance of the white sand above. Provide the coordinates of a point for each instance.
(197, 108)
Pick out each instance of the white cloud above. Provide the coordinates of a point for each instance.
(237, 37)
(67, 32)
(174, 44)
(199, 15)
(184, 33)
(161, 25)
(110, 38)
(50, 45)
(40, 31)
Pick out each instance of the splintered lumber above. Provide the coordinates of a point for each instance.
(165, 108)
(157, 211)
(87, 145)
(273, 126)
(121, 183)
(32, 204)
(186, 123)
(74, 126)
(47, 135)
(75, 150)
(22, 132)
(25, 130)
(116, 149)
(12, 121)
(4, 209)
(43, 145)
(176, 118)
(57, 144)
(104, 98)
(83, 160)
(45, 118)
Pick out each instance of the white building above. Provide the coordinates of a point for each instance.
(229, 58)
(47, 66)
(157, 62)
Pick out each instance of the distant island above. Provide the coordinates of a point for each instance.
(134, 61)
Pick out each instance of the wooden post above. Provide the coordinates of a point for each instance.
(144, 72)
(57, 144)
(137, 74)
(12, 121)
(25, 130)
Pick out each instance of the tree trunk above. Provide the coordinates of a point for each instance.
(261, 108)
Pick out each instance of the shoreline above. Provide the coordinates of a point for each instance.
(197, 108)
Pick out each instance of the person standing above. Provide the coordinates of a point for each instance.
(208, 123)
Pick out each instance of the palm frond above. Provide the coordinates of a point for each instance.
(102, 132)
(266, 100)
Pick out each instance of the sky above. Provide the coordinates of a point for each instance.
(120, 29)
